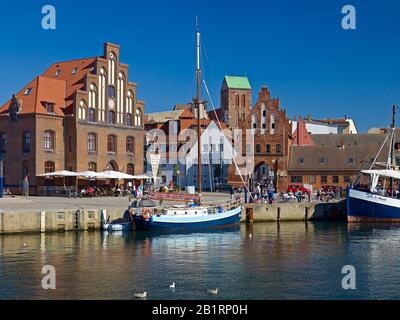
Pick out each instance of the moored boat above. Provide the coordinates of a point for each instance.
(378, 200)
(191, 217)
(122, 226)
(188, 218)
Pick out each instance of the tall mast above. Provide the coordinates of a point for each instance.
(198, 72)
(392, 155)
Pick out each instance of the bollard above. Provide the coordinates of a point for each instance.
(103, 218)
(278, 214)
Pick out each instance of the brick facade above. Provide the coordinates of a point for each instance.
(272, 141)
(72, 100)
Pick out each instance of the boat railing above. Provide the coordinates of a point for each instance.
(213, 209)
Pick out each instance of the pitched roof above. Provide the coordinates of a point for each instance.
(56, 85)
(234, 82)
(216, 114)
(338, 149)
(347, 139)
(74, 80)
(336, 158)
(160, 117)
(41, 90)
(333, 121)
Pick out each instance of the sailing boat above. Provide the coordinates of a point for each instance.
(184, 217)
(373, 202)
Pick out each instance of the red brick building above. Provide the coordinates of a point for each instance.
(268, 124)
(336, 159)
(78, 115)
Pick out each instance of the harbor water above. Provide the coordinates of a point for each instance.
(260, 261)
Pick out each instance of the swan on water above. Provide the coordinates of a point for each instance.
(213, 291)
(141, 295)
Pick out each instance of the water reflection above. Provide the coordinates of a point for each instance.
(260, 261)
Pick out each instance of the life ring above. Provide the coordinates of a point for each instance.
(146, 214)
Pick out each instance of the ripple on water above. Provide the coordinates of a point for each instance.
(286, 261)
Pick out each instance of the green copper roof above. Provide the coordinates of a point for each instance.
(237, 82)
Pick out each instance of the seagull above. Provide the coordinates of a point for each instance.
(250, 236)
(172, 286)
(213, 291)
(24, 244)
(141, 295)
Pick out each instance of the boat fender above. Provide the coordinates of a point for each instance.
(146, 214)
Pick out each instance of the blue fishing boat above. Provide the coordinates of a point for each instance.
(375, 195)
(185, 218)
(189, 217)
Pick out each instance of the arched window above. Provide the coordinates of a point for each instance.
(111, 91)
(130, 144)
(130, 169)
(92, 115)
(92, 166)
(49, 140)
(112, 143)
(120, 97)
(102, 94)
(49, 167)
(111, 68)
(138, 117)
(92, 142)
(278, 148)
(92, 96)
(129, 109)
(26, 141)
(128, 120)
(82, 110)
(111, 117)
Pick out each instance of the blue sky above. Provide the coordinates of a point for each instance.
(297, 48)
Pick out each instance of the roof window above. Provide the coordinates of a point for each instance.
(27, 91)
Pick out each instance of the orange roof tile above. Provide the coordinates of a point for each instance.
(42, 90)
(74, 81)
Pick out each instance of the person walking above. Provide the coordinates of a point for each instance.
(232, 191)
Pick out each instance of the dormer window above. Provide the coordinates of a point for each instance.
(74, 71)
(57, 73)
(49, 107)
(27, 91)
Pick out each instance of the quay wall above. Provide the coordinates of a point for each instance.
(86, 219)
(304, 211)
(54, 221)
